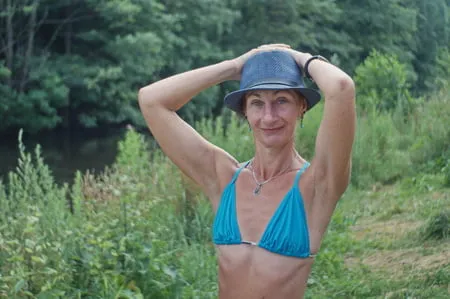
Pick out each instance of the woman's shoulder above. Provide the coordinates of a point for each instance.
(226, 168)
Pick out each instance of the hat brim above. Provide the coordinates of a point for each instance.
(233, 100)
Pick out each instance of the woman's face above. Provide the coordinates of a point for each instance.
(273, 114)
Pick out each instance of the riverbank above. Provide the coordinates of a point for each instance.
(64, 151)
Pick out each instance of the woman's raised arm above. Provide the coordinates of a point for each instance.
(337, 130)
(194, 155)
(159, 101)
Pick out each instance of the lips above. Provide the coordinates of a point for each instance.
(271, 130)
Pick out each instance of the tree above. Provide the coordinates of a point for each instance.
(31, 92)
(388, 26)
(433, 34)
(310, 26)
(79, 63)
(382, 83)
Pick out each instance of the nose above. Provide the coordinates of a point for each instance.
(269, 115)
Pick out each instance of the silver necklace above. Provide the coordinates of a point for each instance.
(260, 184)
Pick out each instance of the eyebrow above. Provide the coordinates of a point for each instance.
(289, 91)
(255, 93)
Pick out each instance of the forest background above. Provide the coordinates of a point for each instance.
(79, 63)
(139, 229)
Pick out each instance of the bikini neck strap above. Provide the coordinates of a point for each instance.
(236, 174)
(299, 173)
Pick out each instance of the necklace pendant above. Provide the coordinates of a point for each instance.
(257, 190)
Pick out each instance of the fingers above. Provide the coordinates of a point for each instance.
(299, 57)
(275, 46)
(272, 47)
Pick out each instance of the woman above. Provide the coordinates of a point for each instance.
(271, 212)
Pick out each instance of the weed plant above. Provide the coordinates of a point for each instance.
(142, 230)
(438, 226)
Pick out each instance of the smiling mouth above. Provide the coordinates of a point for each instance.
(271, 129)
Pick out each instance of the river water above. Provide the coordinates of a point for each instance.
(64, 152)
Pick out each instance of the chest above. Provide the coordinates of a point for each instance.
(257, 213)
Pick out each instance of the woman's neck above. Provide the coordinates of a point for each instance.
(269, 162)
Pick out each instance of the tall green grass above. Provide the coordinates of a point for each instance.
(139, 230)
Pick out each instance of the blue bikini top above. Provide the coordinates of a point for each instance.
(286, 233)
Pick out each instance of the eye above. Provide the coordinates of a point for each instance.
(282, 100)
(256, 102)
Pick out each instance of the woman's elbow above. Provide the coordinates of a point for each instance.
(147, 99)
(343, 88)
(346, 85)
(142, 96)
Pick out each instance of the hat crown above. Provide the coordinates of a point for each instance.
(270, 70)
(271, 67)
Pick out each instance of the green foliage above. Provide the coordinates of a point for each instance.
(294, 22)
(32, 182)
(432, 35)
(82, 62)
(390, 145)
(36, 108)
(383, 83)
(443, 69)
(118, 242)
(388, 26)
(139, 231)
(377, 154)
(231, 133)
(306, 136)
(134, 155)
(437, 227)
(4, 71)
(32, 228)
(430, 147)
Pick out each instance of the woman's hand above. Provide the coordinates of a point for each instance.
(299, 57)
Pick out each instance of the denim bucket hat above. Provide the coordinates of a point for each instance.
(271, 70)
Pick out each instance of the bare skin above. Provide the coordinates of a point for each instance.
(249, 271)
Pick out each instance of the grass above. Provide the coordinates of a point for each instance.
(139, 230)
(401, 244)
(389, 242)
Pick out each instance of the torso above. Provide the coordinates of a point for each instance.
(247, 271)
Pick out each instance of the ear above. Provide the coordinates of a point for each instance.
(303, 107)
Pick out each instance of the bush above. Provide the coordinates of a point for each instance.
(437, 227)
(37, 108)
(442, 78)
(383, 83)
(230, 133)
(33, 227)
(124, 238)
(377, 157)
(430, 123)
(139, 231)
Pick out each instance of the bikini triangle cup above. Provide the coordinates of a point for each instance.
(286, 232)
